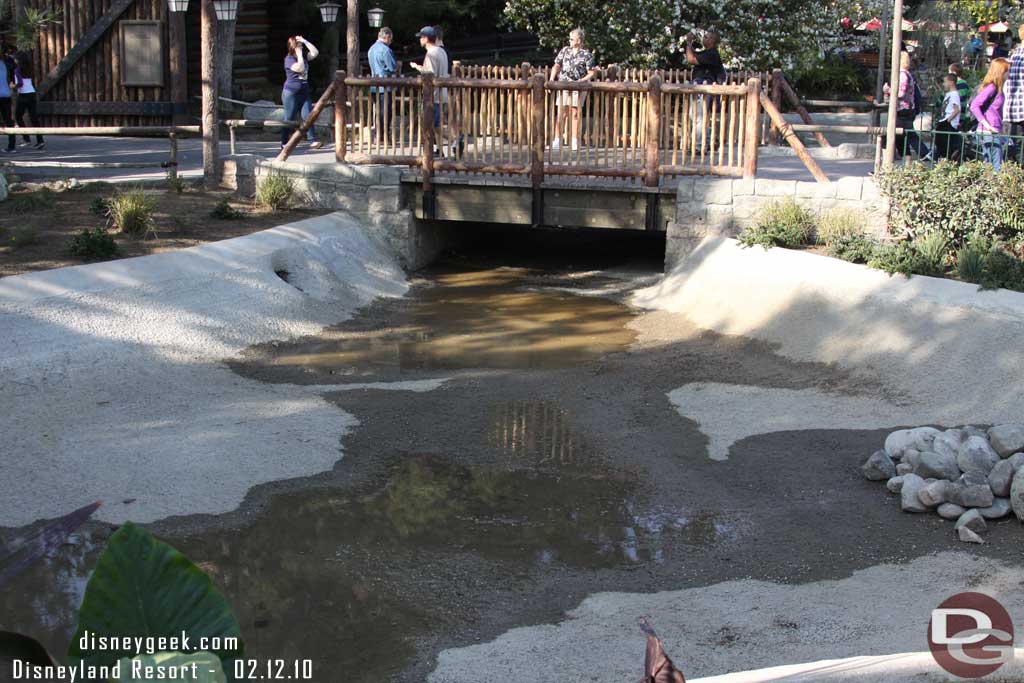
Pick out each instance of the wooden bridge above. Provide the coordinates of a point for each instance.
(638, 131)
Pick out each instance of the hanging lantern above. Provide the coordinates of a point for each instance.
(329, 12)
(376, 17)
(177, 5)
(227, 10)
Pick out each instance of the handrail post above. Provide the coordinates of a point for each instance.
(172, 165)
(653, 148)
(537, 135)
(776, 85)
(752, 128)
(304, 126)
(340, 117)
(427, 157)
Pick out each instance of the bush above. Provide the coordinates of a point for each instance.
(857, 248)
(1002, 270)
(22, 236)
(224, 211)
(175, 183)
(831, 79)
(781, 224)
(970, 262)
(131, 211)
(900, 258)
(933, 249)
(275, 191)
(93, 245)
(99, 206)
(837, 224)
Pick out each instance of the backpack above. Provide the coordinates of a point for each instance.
(918, 96)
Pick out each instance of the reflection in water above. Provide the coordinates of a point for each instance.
(476, 319)
(537, 434)
(351, 578)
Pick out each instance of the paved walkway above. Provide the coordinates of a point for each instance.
(72, 149)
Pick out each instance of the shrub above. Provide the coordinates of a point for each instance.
(275, 191)
(900, 258)
(175, 183)
(970, 262)
(781, 224)
(224, 211)
(22, 236)
(857, 248)
(93, 245)
(832, 79)
(838, 224)
(933, 249)
(1002, 269)
(99, 206)
(131, 211)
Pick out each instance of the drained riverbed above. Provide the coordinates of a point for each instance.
(545, 465)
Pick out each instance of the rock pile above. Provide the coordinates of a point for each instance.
(968, 474)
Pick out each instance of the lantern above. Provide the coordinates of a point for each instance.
(177, 5)
(376, 17)
(227, 10)
(329, 12)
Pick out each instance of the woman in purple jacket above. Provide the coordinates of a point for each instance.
(987, 107)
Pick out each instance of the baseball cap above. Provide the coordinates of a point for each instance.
(428, 32)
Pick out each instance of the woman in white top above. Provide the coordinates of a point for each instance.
(26, 96)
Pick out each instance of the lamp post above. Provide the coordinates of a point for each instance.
(178, 55)
(329, 12)
(329, 15)
(375, 17)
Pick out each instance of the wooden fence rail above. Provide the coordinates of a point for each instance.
(531, 126)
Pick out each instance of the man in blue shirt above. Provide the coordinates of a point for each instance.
(383, 65)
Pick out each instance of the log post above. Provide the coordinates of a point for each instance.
(352, 65)
(172, 164)
(304, 127)
(776, 85)
(752, 128)
(537, 135)
(652, 152)
(179, 67)
(211, 132)
(427, 157)
(340, 117)
(791, 95)
(793, 140)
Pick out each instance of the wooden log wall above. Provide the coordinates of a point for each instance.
(96, 77)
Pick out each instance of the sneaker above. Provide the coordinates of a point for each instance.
(575, 145)
(26, 143)
(316, 145)
(556, 143)
(8, 151)
(40, 145)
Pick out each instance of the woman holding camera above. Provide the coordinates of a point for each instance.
(295, 94)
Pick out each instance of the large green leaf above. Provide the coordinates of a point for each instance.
(201, 667)
(26, 648)
(143, 587)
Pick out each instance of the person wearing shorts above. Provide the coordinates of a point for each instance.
(574, 63)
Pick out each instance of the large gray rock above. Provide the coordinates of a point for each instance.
(904, 468)
(976, 454)
(935, 493)
(263, 110)
(971, 430)
(948, 443)
(950, 511)
(1000, 478)
(919, 438)
(895, 485)
(1017, 494)
(909, 500)
(879, 467)
(1017, 460)
(973, 520)
(1006, 439)
(971, 495)
(937, 465)
(912, 457)
(968, 536)
(997, 510)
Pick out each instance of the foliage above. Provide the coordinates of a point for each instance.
(855, 248)
(933, 249)
(900, 258)
(32, 23)
(780, 224)
(99, 206)
(1002, 270)
(31, 201)
(144, 587)
(224, 211)
(829, 79)
(837, 224)
(22, 236)
(93, 245)
(175, 183)
(756, 33)
(131, 211)
(962, 201)
(275, 191)
(970, 261)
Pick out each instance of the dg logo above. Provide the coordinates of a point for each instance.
(971, 635)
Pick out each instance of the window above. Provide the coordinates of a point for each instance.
(142, 53)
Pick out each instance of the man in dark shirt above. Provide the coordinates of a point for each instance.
(707, 64)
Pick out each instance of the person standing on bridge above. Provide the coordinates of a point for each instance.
(574, 63)
(707, 64)
(26, 96)
(295, 94)
(383, 65)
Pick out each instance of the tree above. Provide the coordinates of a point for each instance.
(756, 33)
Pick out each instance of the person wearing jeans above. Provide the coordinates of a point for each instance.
(987, 108)
(26, 97)
(906, 111)
(295, 95)
(6, 74)
(383, 65)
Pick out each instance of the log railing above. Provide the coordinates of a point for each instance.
(626, 129)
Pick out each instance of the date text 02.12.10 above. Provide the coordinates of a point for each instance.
(273, 669)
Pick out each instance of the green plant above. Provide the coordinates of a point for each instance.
(900, 258)
(856, 248)
(831, 78)
(224, 211)
(32, 23)
(93, 245)
(933, 250)
(275, 191)
(837, 224)
(175, 183)
(131, 211)
(22, 236)
(970, 262)
(1002, 270)
(99, 206)
(780, 224)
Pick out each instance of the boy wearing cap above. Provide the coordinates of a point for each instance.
(435, 62)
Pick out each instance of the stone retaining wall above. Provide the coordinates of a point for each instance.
(373, 193)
